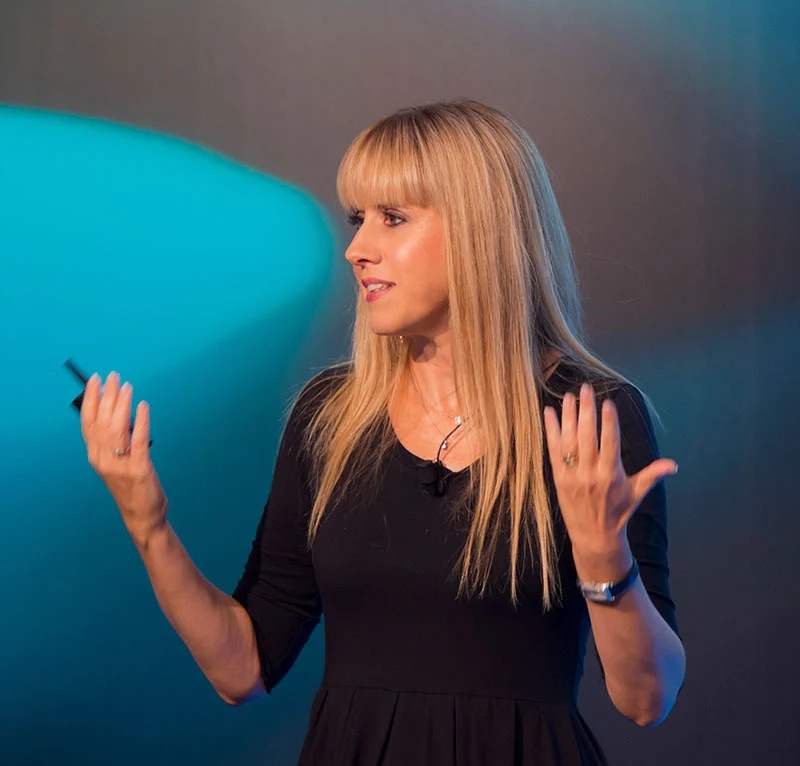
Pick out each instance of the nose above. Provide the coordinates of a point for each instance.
(362, 249)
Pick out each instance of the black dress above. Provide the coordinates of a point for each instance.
(414, 676)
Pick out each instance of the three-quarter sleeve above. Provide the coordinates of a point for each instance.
(278, 587)
(647, 528)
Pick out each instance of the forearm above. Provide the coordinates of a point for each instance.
(643, 659)
(215, 628)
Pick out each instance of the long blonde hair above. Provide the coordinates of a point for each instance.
(513, 300)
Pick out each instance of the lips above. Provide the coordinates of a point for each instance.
(380, 289)
(373, 281)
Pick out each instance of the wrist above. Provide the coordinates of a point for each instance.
(608, 564)
(144, 537)
(609, 591)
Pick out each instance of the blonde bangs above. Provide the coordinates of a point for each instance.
(384, 167)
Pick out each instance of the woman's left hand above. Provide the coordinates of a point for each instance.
(596, 496)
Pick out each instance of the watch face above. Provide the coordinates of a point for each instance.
(600, 595)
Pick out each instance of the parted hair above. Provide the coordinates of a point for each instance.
(513, 301)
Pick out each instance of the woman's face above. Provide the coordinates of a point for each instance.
(400, 250)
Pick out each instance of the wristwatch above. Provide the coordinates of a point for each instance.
(609, 592)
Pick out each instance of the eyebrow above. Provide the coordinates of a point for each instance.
(381, 206)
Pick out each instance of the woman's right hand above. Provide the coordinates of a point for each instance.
(131, 478)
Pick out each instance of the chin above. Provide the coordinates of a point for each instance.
(386, 331)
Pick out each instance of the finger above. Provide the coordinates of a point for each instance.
(569, 424)
(120, 424)
(108, 399)
(609, 436)
(140, 438)
(91, 397)
(587, 428)
(646, 479)
(553, 434)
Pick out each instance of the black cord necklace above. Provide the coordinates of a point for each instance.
(435, 473)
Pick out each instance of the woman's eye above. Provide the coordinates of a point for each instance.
(391, 219)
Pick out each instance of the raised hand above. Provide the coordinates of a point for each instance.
(121, 457)
(596, 497)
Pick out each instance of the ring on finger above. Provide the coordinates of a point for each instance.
(570, 459)
(121, 452)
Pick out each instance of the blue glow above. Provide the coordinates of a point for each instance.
(124, 248)
(197, 279)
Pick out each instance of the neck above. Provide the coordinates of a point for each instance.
(430, 362)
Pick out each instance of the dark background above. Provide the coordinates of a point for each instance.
(671, 132)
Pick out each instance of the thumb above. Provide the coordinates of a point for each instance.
(644, 481)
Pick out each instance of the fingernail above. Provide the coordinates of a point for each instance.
(676, 469)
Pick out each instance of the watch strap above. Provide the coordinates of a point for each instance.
(608, 592)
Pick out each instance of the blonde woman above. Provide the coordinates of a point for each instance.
(465, 499)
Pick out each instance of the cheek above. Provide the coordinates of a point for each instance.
(427, 282)
(419, 265)
(438, 275)
(428, 264)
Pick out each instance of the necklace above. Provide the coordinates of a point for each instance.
(457, 419)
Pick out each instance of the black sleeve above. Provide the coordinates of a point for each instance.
(647, 529)
(278, 588)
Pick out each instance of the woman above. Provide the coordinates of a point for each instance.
(461, 545)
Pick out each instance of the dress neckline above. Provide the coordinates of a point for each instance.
(415, 461)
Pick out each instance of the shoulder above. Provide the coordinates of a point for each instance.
(325, 382)
(315, 392)
(570, 375)
(634, 409)
(304, 405)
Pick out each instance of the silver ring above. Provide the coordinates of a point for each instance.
(570, 460)
(121, 452)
